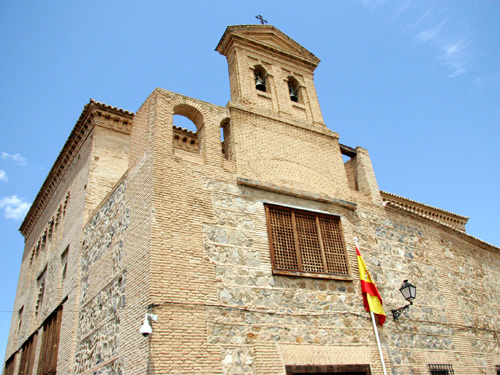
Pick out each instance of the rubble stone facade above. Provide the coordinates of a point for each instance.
(139, 216)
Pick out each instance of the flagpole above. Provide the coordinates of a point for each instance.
(378, 342)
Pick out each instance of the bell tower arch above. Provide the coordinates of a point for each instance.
(270, 72)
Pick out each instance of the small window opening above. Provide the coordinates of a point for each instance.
(20, 318)
(33, 252)
(294, 89)
(58, 217)
(225, 135)
(64, 263)
(66, 202)
(38, 247)
(350, 165)
(188, 128)
(51, 229)
(41, 291)
(260, 78)
(185, 134)
(44, 240)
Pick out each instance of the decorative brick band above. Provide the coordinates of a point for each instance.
(294, 192)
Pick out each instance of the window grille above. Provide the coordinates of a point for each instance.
(306, 242)
(28, 355)
(50, 344)
(441, 369)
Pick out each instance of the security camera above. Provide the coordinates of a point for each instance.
(146, 329)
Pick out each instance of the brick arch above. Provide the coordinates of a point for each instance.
(191, 111)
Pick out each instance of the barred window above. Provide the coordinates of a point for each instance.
(441, 369)
(50, 344)
(28, 355)
(305, 243)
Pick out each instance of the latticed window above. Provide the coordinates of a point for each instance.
(47, 364)
(304, 242)
(441, 369)
(28, 355)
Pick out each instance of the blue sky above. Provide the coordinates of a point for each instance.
(417, 83)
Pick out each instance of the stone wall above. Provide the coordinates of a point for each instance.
(258, 309)
(103, 289)
(454, 319)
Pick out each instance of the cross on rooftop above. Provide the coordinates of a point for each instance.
(261, 19)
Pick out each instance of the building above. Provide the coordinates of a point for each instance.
(241, 246)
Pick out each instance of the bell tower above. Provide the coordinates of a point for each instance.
(272, 73)
(278, 136)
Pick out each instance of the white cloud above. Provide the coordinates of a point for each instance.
(17, 158)
(453, 49)
(3, 176)
(14, 208)
(455, 55)
(439, 26)
(486, 81)
(428, 35)
(421, 19)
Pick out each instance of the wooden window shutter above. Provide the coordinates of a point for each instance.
(10, 365)
(50, 344)
(28, 355)
(304, 242)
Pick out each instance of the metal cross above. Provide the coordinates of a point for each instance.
(261, 19)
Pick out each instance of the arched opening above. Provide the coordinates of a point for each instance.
(183, 122)
(294, 90)
(260, 76)
(187, 127)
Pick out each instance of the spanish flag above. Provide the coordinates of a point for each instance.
(371, 296)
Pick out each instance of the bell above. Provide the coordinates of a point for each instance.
(260, 84)
(294, 94)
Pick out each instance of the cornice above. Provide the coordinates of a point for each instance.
(94, 113)
(444, 219)
(456, 232)
(238, 33)
(294, 192)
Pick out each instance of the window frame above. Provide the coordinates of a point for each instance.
(440, 369)
(301, 272)
(327, 369)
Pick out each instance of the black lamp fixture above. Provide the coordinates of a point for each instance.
(409, 292)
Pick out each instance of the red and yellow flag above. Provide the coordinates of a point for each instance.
(371, 296)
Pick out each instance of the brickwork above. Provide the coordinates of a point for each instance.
(138, 216)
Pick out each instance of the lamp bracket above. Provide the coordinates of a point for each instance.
(396, 313)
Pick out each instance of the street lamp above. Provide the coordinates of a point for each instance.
(409, 292)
